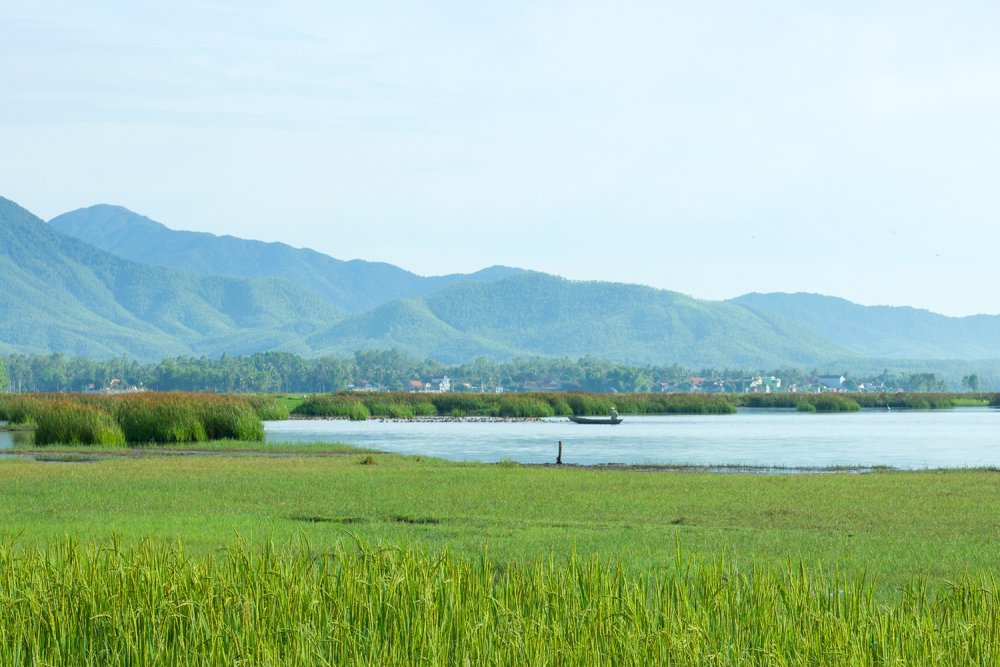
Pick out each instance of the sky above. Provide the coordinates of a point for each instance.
(711, 148)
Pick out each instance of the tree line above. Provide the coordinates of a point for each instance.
(277, 372)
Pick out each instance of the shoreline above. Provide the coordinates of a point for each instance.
(78, 455)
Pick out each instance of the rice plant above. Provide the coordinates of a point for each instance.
(151, 604)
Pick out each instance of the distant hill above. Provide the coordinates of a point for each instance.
(537, 314)
(409, 325)
(885, 332)
(355, 285)
(62, 295)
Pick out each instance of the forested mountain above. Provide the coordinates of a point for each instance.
(355, 285)
(884, 332)
(60, 294)
(537, 314)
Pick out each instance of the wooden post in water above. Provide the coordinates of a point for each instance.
(559, 456)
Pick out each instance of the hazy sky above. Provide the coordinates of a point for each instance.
(846, 148)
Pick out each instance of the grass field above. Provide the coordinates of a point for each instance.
(243, 553)
(894, 526)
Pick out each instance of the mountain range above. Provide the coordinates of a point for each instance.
(104, 281)
(354, 286)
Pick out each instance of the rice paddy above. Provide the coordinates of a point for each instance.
(296, 605)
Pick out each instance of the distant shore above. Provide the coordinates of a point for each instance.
(445, 419)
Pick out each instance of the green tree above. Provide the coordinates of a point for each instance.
(4, 379)
(971, 382)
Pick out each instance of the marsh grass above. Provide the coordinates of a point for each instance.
(333, 405)
(165, 419)
(896, 400)
(268, 406)
(293, 605)
(21, 409)
(73, 423)
(139, 418)
(529, 405)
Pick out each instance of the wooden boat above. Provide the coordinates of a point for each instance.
(593, 420)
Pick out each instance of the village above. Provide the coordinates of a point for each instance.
(763, 384)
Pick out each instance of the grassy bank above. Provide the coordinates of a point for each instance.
(297, 605)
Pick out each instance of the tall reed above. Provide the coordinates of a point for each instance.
(267, 406)
(518, 405)
(73, 423)
(141, 418)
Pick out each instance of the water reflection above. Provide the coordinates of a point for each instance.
(12, 439)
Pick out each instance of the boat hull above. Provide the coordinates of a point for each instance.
(593, 420)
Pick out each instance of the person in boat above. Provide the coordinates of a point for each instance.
(614, 413)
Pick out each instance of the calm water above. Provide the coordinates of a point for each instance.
(898, 438)
(901, 439)
(9, 438)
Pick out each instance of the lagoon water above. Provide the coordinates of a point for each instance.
(8, 439)
(909, 439)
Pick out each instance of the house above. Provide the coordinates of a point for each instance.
(834, 382)
(707, 386)
(363, 386)
(439, 385)
(763, 384)
(415, 386)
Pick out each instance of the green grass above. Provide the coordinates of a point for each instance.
(896, 526)
(153, 556)
(26, 447)
(298, 605)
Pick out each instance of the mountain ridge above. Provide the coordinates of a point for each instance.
(73, 297)
(65, 295)
(890, 332)
(355, 285)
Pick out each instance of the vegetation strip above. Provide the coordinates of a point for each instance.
(533, 405)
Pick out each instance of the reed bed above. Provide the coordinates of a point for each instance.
(137, 418)
(841, 402)
(267, 406)
(333, 405)
(151, 604)
(527, 405)
(548, 404)
(22, 409)
(72, 423)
